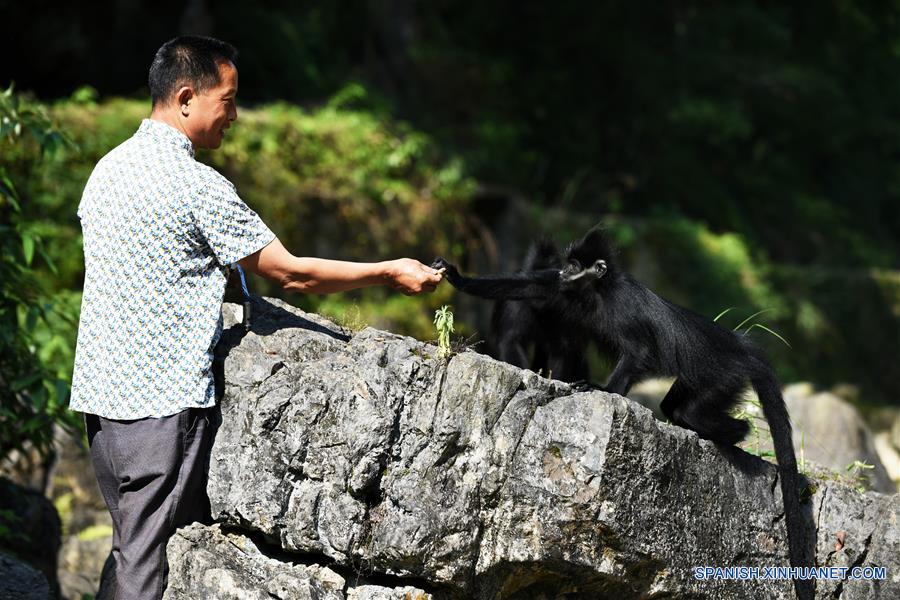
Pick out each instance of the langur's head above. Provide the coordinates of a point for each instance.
(588, 262)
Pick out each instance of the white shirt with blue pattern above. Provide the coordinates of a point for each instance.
(160, 230)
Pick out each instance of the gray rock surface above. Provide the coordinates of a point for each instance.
(888, 455)
(377, 592)
(895, 433)
(833, 434)
(481, 480)
(18, 581)
(33, 526)
(206, 562)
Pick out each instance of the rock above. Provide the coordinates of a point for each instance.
(857, 530)
(889, 456)
(832, 433)
(487, 481)
(895, 433)
(377, 592)
(34, 528)
(18, 581)
(206, 562)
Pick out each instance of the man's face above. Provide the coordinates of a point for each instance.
(213, 110)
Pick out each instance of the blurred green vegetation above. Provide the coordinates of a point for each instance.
(36, 320)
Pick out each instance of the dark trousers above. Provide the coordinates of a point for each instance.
(152, 474)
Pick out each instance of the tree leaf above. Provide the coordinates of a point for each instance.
(25, 381)
(28, 248)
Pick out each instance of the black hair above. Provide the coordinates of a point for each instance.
(189, 59)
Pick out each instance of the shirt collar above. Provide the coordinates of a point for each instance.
(166, 133)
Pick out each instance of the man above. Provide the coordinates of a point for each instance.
(160, 230)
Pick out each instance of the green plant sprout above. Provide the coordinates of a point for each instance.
(858, 479)
(352, 320)
(443, 322)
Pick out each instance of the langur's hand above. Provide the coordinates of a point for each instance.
(447, 269)
(411, 277)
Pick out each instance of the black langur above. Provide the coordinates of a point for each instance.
(651, 337)
(518, 326)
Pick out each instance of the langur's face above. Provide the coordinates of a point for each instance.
(577, 276)
(586, 262)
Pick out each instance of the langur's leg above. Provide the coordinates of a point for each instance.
(706, 412)
(623, 375)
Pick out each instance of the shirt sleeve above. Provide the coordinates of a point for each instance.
(231, 229)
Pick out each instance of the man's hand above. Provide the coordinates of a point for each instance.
(411, 277)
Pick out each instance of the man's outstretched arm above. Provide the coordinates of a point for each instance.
(322, 276)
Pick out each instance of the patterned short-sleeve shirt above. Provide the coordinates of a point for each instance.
(160, 231)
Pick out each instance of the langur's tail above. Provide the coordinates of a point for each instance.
(799, 549)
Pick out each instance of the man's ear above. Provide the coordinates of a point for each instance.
(183, 96)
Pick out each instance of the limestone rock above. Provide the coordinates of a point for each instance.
(833, 434)
(895, 433)
(376, 592)
(21, 582)
(889, 456)
(487, 481)
(204, 562)
(34, 526)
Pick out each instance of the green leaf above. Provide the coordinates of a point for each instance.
(39, 399)
(20, 383)
(31, 318)
(50, 264)
(9, 191)
(62, 390)
(28, 248)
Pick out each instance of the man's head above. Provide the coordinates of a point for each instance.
(193, 84)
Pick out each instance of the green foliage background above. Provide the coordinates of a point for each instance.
(34, 349)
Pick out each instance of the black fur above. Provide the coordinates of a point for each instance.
(517, 326)
(650, 337)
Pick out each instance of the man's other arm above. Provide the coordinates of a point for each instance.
(322, 276)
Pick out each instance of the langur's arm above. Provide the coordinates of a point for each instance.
(517, 286)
